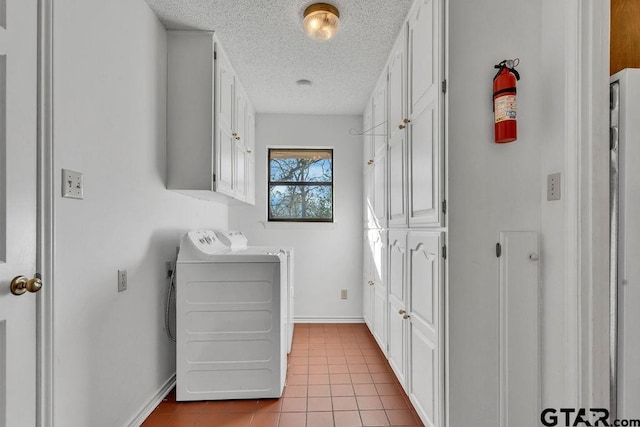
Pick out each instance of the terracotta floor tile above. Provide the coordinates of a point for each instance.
(350, 344)
(347, 419)
(336, 360)
(192, 407)
(298, 360)
(352, 352)
(295, 391)
(375, 368)
(297, 379)
(338, 369)
(374, 418)
(157, 420)
(167, 408)
(342, 390)
(368, 403)
(318, 379)
(294, 404)
(401, 417)
(383, 378)
(318, 404)
(299, 353)
(185, 419)
(339, 378)
(394, 402)
(319, 390)
(344, 403)
(292, 419)
(356, 360)
(361, 378)
(359, 369)
(265, 419)
(388, 390)
(336, 352)
(317, 360)
(269, 405)
(298, 370)
(234, 420)
(241, 405)
(320, 419)
(374, 360)
(318, 369)
(366, 390)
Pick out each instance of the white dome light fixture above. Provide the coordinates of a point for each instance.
(321, 21)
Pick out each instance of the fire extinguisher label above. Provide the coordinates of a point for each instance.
(505, 108)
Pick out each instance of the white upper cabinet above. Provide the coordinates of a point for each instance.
(396, 91)
(204, 158)
(424, 93)
(251, 156)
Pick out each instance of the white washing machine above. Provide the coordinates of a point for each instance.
(237, 240)
(231, 334)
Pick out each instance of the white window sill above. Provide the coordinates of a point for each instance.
(286, 225)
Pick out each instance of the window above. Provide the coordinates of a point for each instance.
(300, 185)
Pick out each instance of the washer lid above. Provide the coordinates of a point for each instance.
(232, 239)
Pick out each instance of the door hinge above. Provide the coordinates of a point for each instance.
(214, 177)
(498, 250)
(444, 252)
(444, 206)
(444, 86)
(215, 55)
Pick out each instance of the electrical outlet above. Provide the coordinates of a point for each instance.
(72, 184)
(343, 294)
(553, 186)
(122, 280)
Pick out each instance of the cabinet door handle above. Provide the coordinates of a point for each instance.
(401, 127)
(406, 316)
(401, 312)
(370, 283)
(370, 162)
(234, 134)
(405, 120)
(249, 151)
(237, 138)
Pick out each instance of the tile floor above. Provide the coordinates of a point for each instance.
(337, 377)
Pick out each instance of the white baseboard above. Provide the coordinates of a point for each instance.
(153, 402)
(331, 319)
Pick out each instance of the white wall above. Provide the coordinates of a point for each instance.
(492, 188)
(328, 257)
(111, 352)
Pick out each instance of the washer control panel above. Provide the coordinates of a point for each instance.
(206, 241)
(233, 239)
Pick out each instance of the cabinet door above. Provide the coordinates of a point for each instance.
(397, 136)
(397, 324)
(424, 101)
(367, 279)
(240, 177)
(425, 327)
(380, 287)
(251, 157)
(380, 152)
(368, 219)
(225, 141)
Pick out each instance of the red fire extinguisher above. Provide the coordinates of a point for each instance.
(504, 101)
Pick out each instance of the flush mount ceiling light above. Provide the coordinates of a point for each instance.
(321, 21)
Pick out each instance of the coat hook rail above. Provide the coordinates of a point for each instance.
(354, 132)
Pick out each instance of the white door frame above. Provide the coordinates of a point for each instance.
(587, 234)
(44, 257)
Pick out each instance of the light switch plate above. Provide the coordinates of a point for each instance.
(72, 184)
(553, 186)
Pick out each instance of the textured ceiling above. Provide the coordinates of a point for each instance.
(269, 50)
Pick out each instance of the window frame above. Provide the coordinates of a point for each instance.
(300, 183)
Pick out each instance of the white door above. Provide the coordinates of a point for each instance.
(18, 91)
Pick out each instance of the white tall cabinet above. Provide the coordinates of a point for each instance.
(405, 208)
(210, 121)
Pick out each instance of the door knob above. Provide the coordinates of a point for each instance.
(20, 284)
(401, 312)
